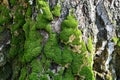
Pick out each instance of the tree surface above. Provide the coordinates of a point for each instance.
(59, 39)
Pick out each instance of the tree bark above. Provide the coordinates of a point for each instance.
(59, 40)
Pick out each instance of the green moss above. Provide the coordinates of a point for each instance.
(44, 77)
(4, 10)
(78, 37)
(36, 66)
(46, 13)
(4, 15)
(18, 14)
(29, 12)
(16, 69)
(70, 22)
(59, 75)
(52, 49)
(37, 69)
(26, 28)
(42, 23)
(83, 48)
(3, 19)
(23, 74)
(32, 46)
(76, 41)
(44, 17)
(70, 33)
(56, 10)
(78, 60)
(118, 43)
(12, 2)
(65, 34)
(17, 43)
(87, 73)
(77, 33)
(17, 26)
(42, 3)
(68, 75)
(33, 76)
(115, 40)
(66, 56)
(17, 40)
(90, 45)
(46, 65)
(71, 36)
(32, 50)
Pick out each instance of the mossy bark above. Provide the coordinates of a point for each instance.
(57, 40)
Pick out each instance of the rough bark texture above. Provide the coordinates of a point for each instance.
(59, 40)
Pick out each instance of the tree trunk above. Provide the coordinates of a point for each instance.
(59, 40)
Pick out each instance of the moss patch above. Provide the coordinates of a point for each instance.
(52, 50)
(32, 47)
(77, 55)
(23, 74)
(70, 22)
(57, 9)
(4, 15)
(86, 73)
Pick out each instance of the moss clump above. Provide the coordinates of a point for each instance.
(33, 76)
(86, 72)
(23, 73)
(17, 40)
(42, 23)
(70, 22)
(65, 34)
(67, 56)
(78, 37)
(52, 50)
(78, 61)
(77, 57)
(18, 16)
(68, 75)
(44, 17)
(45, 10)
(36, 70)
(56, 10)
(36, 66)
(29, 12)
(17, 44)
(70, 34)
(44, 77)
(4, 15)
(59, 75)
(32, 46)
